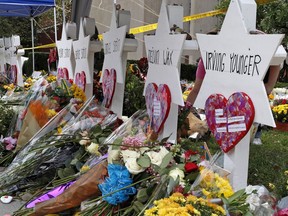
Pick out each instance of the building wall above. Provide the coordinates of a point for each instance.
(145, 12)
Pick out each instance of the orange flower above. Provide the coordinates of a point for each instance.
(39, 112)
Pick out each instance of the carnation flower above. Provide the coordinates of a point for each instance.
(93, 148)
(119, 177)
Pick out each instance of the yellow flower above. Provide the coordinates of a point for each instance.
(59, 130)
(286, 172)
(50, 113)
(271, 186)
(84, 168)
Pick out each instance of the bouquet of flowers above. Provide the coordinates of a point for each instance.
(141, 169)
(252, 200)
(62, 146)
(178, 204)
(280, 112)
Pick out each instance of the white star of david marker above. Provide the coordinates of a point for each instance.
(64, 47)
(81, 53)
(164, 51)
(236, 61)
(113, 43)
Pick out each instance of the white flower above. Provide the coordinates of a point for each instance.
(157, 157)
(132, 166)
(129, 154)
(175, 173)
(113, 155)
(253, 200)
(250, 188)
(93, 148)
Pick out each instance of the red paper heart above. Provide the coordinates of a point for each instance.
(63, 73)
(229, 120)
(13, 74)
(108, 86)
(158, 102)
(80, 80)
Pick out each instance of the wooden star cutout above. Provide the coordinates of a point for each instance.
(236, 61)
(65, 53)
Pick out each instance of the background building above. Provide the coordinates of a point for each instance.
(145, 12)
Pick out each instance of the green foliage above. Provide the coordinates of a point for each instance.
(40, 63)
(16, 26)
(271, 17)
(133, 95)
(6, 115)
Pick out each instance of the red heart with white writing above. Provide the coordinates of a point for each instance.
(158, 102)
(229, 120)
(80, 80)
(108, 86)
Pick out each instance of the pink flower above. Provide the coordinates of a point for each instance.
(10, 143)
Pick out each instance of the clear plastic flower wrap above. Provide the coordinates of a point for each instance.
(58, 150)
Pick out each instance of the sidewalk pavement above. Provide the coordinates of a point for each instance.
(10, 208)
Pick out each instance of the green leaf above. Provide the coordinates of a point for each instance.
(144, 161)
(142, 195)
(236, 195)
(166, 160)
(60, 173)
(138, 206)
(248, 214)
(172, 183)
(192, 176)
(194, 158)
(225, 201)
(68, 172)
(74, 161)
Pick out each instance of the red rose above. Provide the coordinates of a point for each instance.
(190, 166)
(189, 153)
(178, 189)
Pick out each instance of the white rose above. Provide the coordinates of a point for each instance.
(129, 154)
(177, 172)
(157, 157)
(253, 200)
(113, 155)
(133, 167)
(93, 148)
(249, 189)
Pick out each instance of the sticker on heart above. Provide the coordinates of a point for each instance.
(158, 102)
(80, 80)
(108, 86)
(229, 120)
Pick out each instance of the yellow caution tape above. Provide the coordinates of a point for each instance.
(52, 45)
(150, 27)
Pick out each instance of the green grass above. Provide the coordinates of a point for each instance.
(267, 162)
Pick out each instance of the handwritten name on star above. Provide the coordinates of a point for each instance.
(64, 53)
(242, 64)
(112, 47)
(81, 53)
(161, 57)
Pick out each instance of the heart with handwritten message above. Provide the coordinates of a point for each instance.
(80, 80)
(158, 102)
(229, 120)
(63, 73)
(13, 74)
(108, 86)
